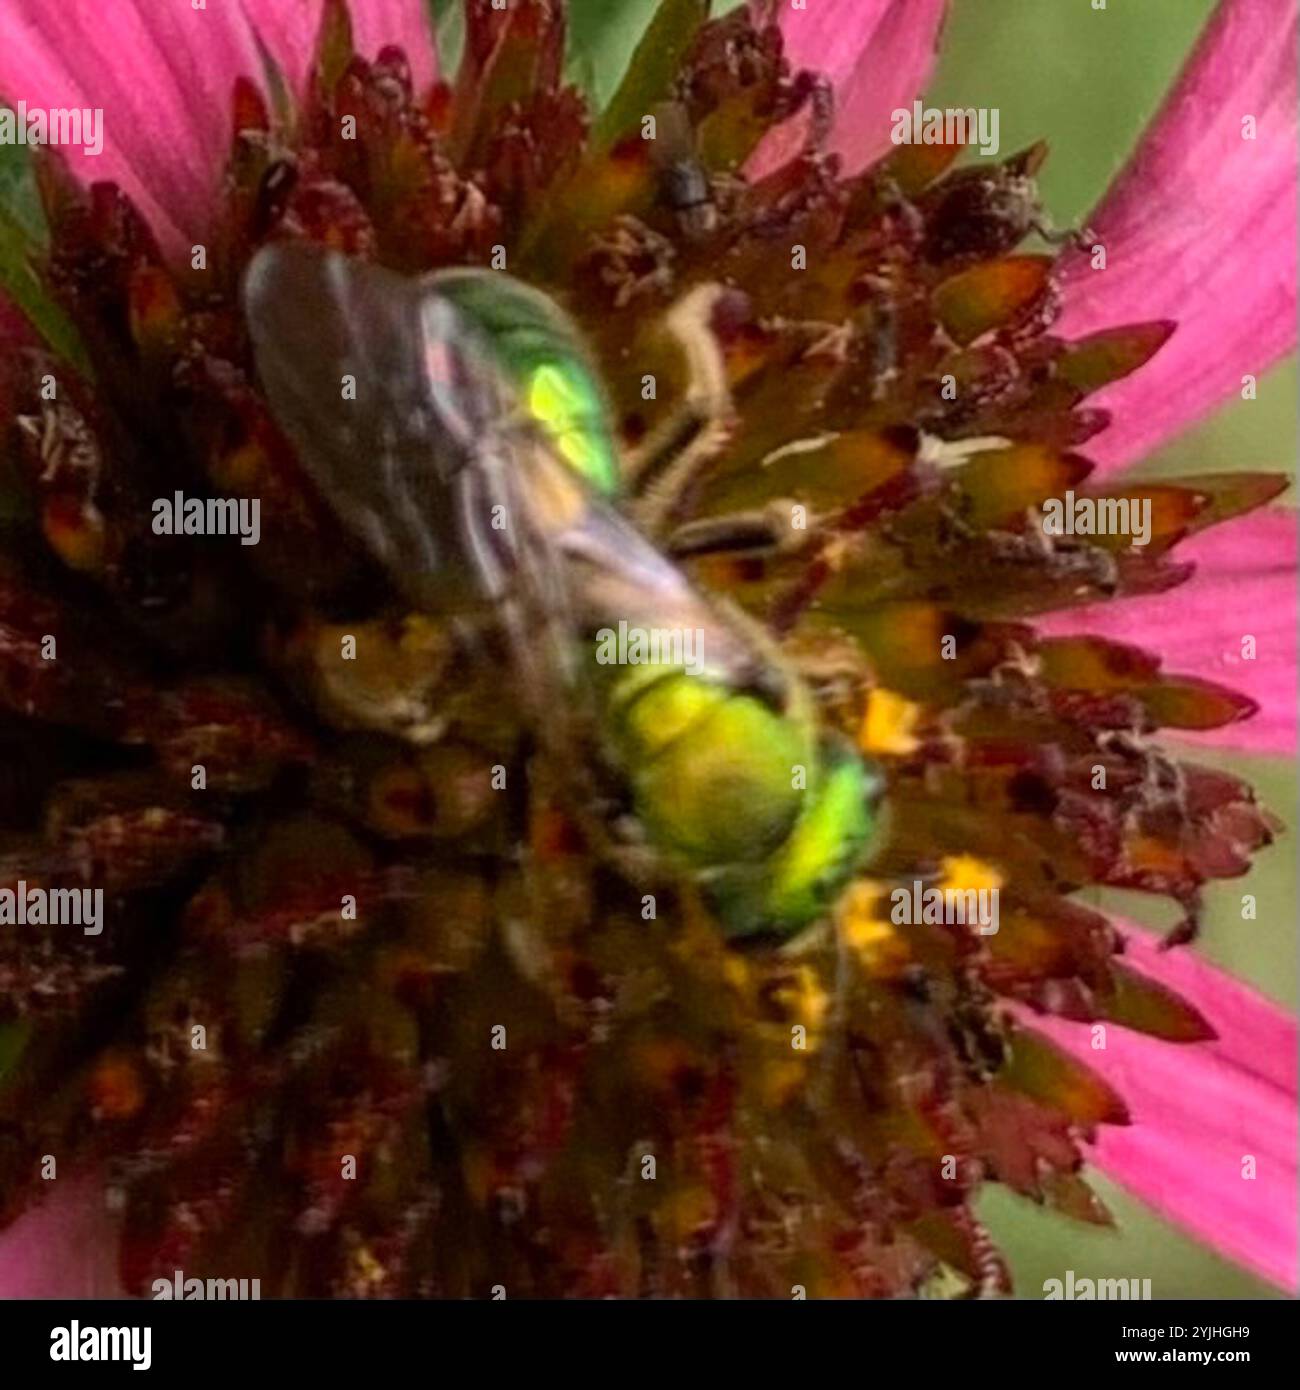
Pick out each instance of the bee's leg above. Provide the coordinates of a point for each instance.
(765, 531)
(660, 470)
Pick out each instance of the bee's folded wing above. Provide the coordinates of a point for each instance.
(367, 376)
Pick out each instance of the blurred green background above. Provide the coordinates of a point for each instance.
(1088, 81)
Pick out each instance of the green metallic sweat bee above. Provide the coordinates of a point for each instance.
(476, 461)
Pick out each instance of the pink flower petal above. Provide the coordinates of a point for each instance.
(877, 55)
(1244, 585)
(1199, 1110)
(1201, 227)
(64, 1248)
(162, 72)
(289, 28)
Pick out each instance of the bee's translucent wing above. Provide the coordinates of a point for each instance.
(367, 375)
(400, 414)
(520, 500)
(614, 574)
(414, 433)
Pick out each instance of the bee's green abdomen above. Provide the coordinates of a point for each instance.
(833, 834)
(803, 878)
(774, 822)
(541, 351)
(713, 773)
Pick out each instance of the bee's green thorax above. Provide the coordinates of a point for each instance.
(544, 358)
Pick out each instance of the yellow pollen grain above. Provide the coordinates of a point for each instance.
(737, 973)
(804, 998)
(962, 872)
(888, 724)
(867, 932)
(80, 543)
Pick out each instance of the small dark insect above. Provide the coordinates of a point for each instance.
(684, 183)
